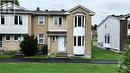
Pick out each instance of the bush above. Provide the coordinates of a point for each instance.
(124, 65)
(9, 52)
(29, 45)
(44, 50)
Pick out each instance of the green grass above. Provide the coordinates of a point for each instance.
(56, 68)
(98, 53)
(5, 56)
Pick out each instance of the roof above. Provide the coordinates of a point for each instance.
(80, 6)
(115, 16)
(127, 16)
(52, 12)
(13, 8)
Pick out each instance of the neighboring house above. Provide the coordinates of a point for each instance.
(112, 32)
(63, 31)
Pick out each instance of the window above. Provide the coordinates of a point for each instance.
(82, 40)
(79, 41)
(40, 39)
(58, 20)
(128, 23)
(54, 38)
(16, 37)
(107, 39)
(41, 20)
(2, 20)
(74, 41)
(18, 20)
(105, 26)
(79, 21)
(7, 37)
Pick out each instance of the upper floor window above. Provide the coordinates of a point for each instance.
(58, 20)
(2, 20)
(40, 39)
(79, 21)
(18, 20)
(41, 20)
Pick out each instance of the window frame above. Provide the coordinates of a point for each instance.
(107, 39)
(15, 39)
(54, 39)
(77, 42)
(2, 18)
(6, 38)
(39, 38)
(18, 20)
(76, 21)
(41, 20)
(58, 20)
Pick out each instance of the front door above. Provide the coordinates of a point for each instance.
(61, 44)
(0, 41)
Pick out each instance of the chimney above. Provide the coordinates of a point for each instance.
(38, 9)
(62, 9)
(46, 10)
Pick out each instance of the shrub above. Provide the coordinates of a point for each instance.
(44, 50)
(29, 45)
(124, 65)
(9, 52)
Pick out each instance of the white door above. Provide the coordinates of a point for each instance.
(61, 44)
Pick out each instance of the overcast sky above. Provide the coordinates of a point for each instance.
(102, 8)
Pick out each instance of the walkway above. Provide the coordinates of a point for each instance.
(51, 60)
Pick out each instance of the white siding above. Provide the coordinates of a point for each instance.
(10, 28)
(112, 28)
(79, 31)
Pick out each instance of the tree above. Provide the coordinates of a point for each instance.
(94, 27)
(6, 1)
(124, 65)
(44, 49)
(29, 45)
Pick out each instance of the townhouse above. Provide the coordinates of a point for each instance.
(63, 31)
(112, 32)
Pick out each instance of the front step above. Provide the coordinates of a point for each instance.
(61, 55)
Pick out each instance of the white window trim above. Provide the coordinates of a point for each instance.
(18, 20)
(77, 20)
(57, 20)
(107, 40)
(6, 39)
(41, 20)
(81, 40)
(41, 38)
(4, 20)
(18, 38)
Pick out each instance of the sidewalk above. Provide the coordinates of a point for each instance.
(52, 60)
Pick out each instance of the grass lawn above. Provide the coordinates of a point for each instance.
(98, 53)
(56, 68)
(5, 56)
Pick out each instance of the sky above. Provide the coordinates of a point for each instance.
(102, 8)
